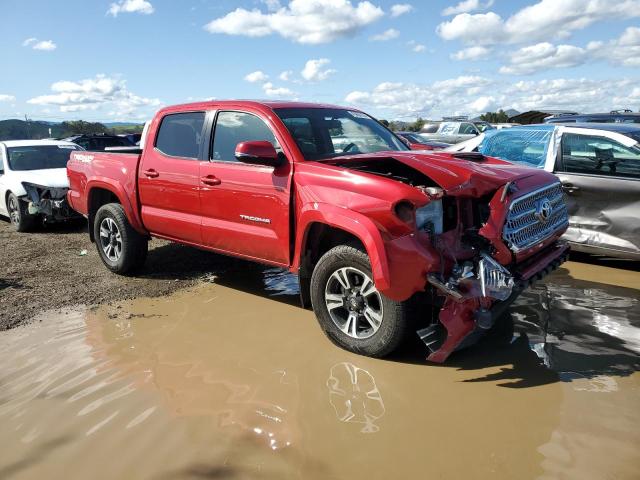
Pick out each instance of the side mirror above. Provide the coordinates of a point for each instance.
(259, 152)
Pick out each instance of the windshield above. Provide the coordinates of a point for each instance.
(323, 133)
(482, 126)
(524, 146)
(412, 137)
(39, 157)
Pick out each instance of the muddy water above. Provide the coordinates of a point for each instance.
(233, 380)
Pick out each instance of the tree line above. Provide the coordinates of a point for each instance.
(32, 130)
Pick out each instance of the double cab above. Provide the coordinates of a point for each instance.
(370, 227)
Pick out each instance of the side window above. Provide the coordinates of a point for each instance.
(594, 155)
(233, 128)
(180, 134)
(467, 129)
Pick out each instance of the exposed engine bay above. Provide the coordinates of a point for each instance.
(50, 203)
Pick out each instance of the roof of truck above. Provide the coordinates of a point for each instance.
(265, 103)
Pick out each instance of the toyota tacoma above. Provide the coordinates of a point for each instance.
(371, 228)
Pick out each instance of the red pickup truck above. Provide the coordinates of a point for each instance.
(369, 226)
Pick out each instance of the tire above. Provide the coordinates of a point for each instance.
(121, 248)
(345, 265)
(20, 218)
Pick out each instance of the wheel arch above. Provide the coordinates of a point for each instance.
(99, 194)
(324, 227)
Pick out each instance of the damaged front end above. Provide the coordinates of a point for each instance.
(512, 243)
(48, 202)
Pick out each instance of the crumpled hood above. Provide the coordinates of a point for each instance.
(52, 177)
(458, 176)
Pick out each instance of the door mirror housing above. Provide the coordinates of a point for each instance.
(259, 152)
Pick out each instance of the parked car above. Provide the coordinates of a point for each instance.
(99, 142)
(625, 116)
(33, 181)
(599, 166)
(417, 142)
(367, 226)
(455, 132)
(500, 126)
(132, 138)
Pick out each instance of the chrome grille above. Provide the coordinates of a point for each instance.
(535, 216)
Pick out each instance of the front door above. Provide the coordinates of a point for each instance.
(245, 208)
(168, 178)
(601, 178)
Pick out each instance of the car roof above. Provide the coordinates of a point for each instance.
(611, 127)
(272, 104)
(31, 143)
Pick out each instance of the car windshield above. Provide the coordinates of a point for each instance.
(39, 157)
(412, 137)
(525, 146)
(323, 133)
(484, 126)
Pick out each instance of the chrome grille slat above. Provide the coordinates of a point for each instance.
(523, 228)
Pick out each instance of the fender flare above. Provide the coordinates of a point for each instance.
(117, 189)
(352, 222)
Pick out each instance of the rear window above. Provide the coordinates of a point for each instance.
(180, 134)
(39, 157)
(525, 146)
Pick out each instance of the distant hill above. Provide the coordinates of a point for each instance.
(15, 129)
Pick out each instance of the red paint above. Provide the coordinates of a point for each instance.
(206, 204)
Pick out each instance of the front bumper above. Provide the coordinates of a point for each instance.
(461, 316)
(50, 203)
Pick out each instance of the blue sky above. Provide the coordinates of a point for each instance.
(122, 60)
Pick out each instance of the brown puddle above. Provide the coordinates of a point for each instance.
(233, 380)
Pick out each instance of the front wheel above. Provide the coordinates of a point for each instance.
(349, 307)
(120, 247)
(21, 220)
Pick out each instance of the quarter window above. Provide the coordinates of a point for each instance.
(233, 128)
(180, 134)
(594, 155)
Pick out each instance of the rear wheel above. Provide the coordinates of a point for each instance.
(21, 220)
(349, 307)
(121, 248)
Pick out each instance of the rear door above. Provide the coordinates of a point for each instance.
(245, 208)
(168, 178)
(601, 177)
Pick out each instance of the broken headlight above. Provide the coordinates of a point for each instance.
(429, 217)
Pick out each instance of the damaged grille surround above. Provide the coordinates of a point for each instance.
(535, 216)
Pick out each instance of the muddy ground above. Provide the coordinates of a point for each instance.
(47, 269)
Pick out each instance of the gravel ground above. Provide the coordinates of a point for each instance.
(47, 270)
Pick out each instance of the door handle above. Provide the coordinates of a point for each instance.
(570, 188)
(211, 180)
(151, 173)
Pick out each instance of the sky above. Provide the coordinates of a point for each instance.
(122, 60)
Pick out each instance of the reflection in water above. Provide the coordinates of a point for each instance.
(354, 396)
(222, 381)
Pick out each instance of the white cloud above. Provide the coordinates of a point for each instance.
(400, 9)
(92, 94)
(466, 6)
(542, 21)
(313, 70)
(416, 47)
(302, 21)
(131, 6)
(286, 75)
(6, 98)
(471, 53)
(389, 34)
(623, 51)
(470, 95)
(257, 76)
(278, 92)
(44, 45)
(544, 56)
